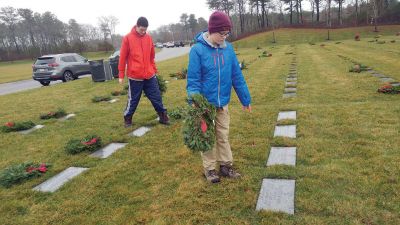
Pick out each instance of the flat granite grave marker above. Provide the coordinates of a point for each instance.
(108, 150)
(113, 100)
(287, 115)
(289, 95)
(290, 90)
(67, 117)
(386, 79)
(291, 83)
(282, 156)
(378, 75)
(140, 131)
(285, 131)
(395, 84)
(37, 127)
(277, 195)
(54, 183)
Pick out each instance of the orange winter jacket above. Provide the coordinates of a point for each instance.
(138, 53)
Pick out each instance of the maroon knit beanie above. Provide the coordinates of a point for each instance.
(219, 21)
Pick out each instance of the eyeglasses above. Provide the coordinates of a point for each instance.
(224, 35)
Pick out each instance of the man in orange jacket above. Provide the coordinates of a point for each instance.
(137, 57)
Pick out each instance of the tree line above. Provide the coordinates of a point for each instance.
(27, 34)
(250, 16)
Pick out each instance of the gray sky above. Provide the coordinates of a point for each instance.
(87, 11)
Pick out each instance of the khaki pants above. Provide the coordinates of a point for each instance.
(221, 152)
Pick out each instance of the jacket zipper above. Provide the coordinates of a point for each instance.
(141, 45)
(219, 79)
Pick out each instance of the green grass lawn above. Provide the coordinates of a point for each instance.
(300, 35)
(347, 169)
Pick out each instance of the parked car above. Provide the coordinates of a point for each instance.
(159, 45)
(65, 67)
(179, 44)
(114, 56)
(170, 44)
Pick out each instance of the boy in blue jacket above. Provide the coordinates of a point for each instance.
(213, 70)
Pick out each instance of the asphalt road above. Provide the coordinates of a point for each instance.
(12, 87)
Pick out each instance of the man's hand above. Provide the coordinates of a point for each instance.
(121, 80)
(247, 108)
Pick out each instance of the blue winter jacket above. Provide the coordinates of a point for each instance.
(212, 72)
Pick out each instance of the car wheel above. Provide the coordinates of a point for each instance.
(45, 83)
(68, 76)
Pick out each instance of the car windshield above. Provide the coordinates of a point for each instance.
(45, 60)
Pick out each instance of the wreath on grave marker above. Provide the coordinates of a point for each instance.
(117, 93)
(243, 65)
(199, 125)
(265, 54)
(17, 126)
(357, 37)
(389, 89)
(88, 143)
(101, 99)
(162, 85)
(358, 68)
(177, 113)
(19, 173)
(53, 114)
(180, 75)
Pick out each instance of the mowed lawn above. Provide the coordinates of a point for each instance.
(306, 35)
(347, 169)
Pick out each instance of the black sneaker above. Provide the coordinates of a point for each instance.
(228, 171)
(127, 121)
(164, 119)
(212, 176)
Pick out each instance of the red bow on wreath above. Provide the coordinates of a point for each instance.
(91, 142)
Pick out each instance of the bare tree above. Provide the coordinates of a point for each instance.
(107, 25)
(10, 18)
(340, 9)
(221, 5)
(241, 11)
(192, 24)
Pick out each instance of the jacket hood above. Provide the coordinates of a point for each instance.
(134, 32)
(202, 38)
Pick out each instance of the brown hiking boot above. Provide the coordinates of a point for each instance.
(212, 176)
(228, 171)
(164, 119)
(127, 121)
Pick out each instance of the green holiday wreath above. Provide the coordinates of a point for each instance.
(199, 125)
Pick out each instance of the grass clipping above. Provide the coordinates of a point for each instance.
(199, 125)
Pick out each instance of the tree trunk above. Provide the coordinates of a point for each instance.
(317, 8)
(291, 12)
(297, 11)
(375, 9)
(340, 12)
(312, 12)
(356, 12)
(301, 12)
(328, 21)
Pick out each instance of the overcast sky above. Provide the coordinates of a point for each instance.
(87, 11)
